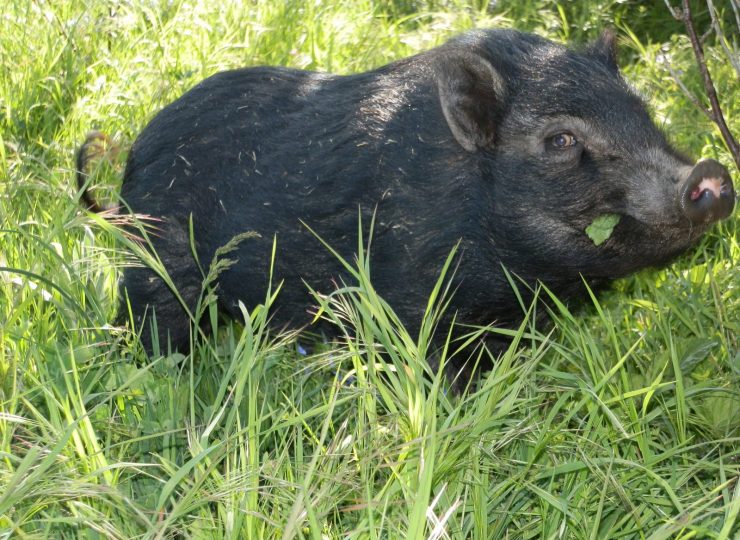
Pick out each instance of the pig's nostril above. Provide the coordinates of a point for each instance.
(707, 185)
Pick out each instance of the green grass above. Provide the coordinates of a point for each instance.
(620, 421)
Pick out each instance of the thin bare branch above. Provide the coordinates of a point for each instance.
(736, 9)
(686, 92)
(733, 56)
(675, 12)
(709, 88)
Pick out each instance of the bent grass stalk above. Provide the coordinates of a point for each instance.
(618, 421)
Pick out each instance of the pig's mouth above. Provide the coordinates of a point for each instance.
(635, 244)
(678, 231)
(656, 237)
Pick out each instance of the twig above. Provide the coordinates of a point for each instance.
(674, 12)
(717, 115)
(733, 57)
(736, 9)
(686, 92)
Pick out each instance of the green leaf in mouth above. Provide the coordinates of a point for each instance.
(601, 228)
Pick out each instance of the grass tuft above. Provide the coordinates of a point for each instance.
(620, 421)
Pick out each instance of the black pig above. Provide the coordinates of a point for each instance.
(505, 141)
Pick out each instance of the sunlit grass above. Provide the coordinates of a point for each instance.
(619, 421)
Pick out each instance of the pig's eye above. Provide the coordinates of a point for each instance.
(563, 140)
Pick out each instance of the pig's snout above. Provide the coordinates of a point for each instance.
(707, 195)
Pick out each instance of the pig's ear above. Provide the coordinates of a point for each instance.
(470, 91)
(605, 49)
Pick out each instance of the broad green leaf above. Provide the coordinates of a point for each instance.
(601, 228)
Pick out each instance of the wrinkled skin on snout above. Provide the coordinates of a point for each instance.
(507, 142)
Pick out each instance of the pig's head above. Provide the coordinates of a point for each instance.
(565, 143)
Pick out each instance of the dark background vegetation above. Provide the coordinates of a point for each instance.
(620, 421)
